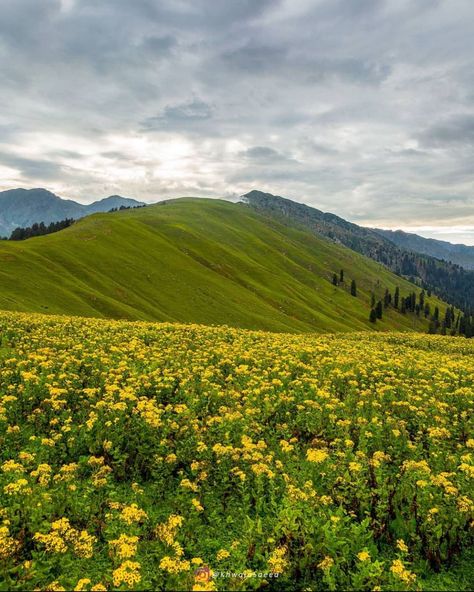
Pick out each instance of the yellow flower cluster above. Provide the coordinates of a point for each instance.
(167, 531)
(277, 561)
(399, 570)
(8, 545)
(316, 456)
(326, 563)
(174, 565)
(127, 573)
(133, 514)
(63, 535)
(125, 546)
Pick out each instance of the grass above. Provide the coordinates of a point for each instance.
(459, 576)
(197, 260)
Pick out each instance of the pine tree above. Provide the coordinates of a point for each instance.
(422, 299)
(386, 298)
(379, 309)
(447, 319)
(427, 310)
(396, 297)
(403, 307)
(353, 288)
(373, 316)
(334, 279)
(341, 276)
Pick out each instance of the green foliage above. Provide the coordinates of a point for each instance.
(132, 453)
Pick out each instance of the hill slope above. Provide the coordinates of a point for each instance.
(451, 282)
(461, 254)
(24, 207)
(197, 260)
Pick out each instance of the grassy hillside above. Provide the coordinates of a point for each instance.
(448, 280)
(196, 260)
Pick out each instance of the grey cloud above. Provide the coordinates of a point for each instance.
(193, 110)
(358, 71)
(172, 116)
(409, 152)
(254, 58)
(456, 130)
(363, 107)
(31, 168)
(157, 45)
(263, 155)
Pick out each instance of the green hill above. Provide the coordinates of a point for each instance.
(449, 281)
(197, 260)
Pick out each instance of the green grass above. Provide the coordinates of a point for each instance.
(197, 260)
(459, 576)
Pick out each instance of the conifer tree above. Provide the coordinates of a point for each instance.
(422, 299)
(379, 309)
(403, 307)
(353, 288)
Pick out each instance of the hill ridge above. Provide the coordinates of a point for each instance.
(450, 281)
(453, 252)
(198, 261)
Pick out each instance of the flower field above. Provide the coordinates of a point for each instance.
(170, 457)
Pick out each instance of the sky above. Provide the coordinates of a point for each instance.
(364, 108)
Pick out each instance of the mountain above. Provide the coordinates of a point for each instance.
(461, 254)
(199, 261)
(450, 281)
(24, 207)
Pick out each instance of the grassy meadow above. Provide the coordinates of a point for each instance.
(138, 456)
(199, 261)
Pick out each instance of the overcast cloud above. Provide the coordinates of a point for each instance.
(360, 107)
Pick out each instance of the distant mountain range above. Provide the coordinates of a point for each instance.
(460, 254)
(450, 281)
(24, 207)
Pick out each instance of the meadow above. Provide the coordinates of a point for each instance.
(204, 261)
(175, 457)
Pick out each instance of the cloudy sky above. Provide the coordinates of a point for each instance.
(360, 107)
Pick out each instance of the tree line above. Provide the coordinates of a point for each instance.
(453, 323)
(39, 229)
